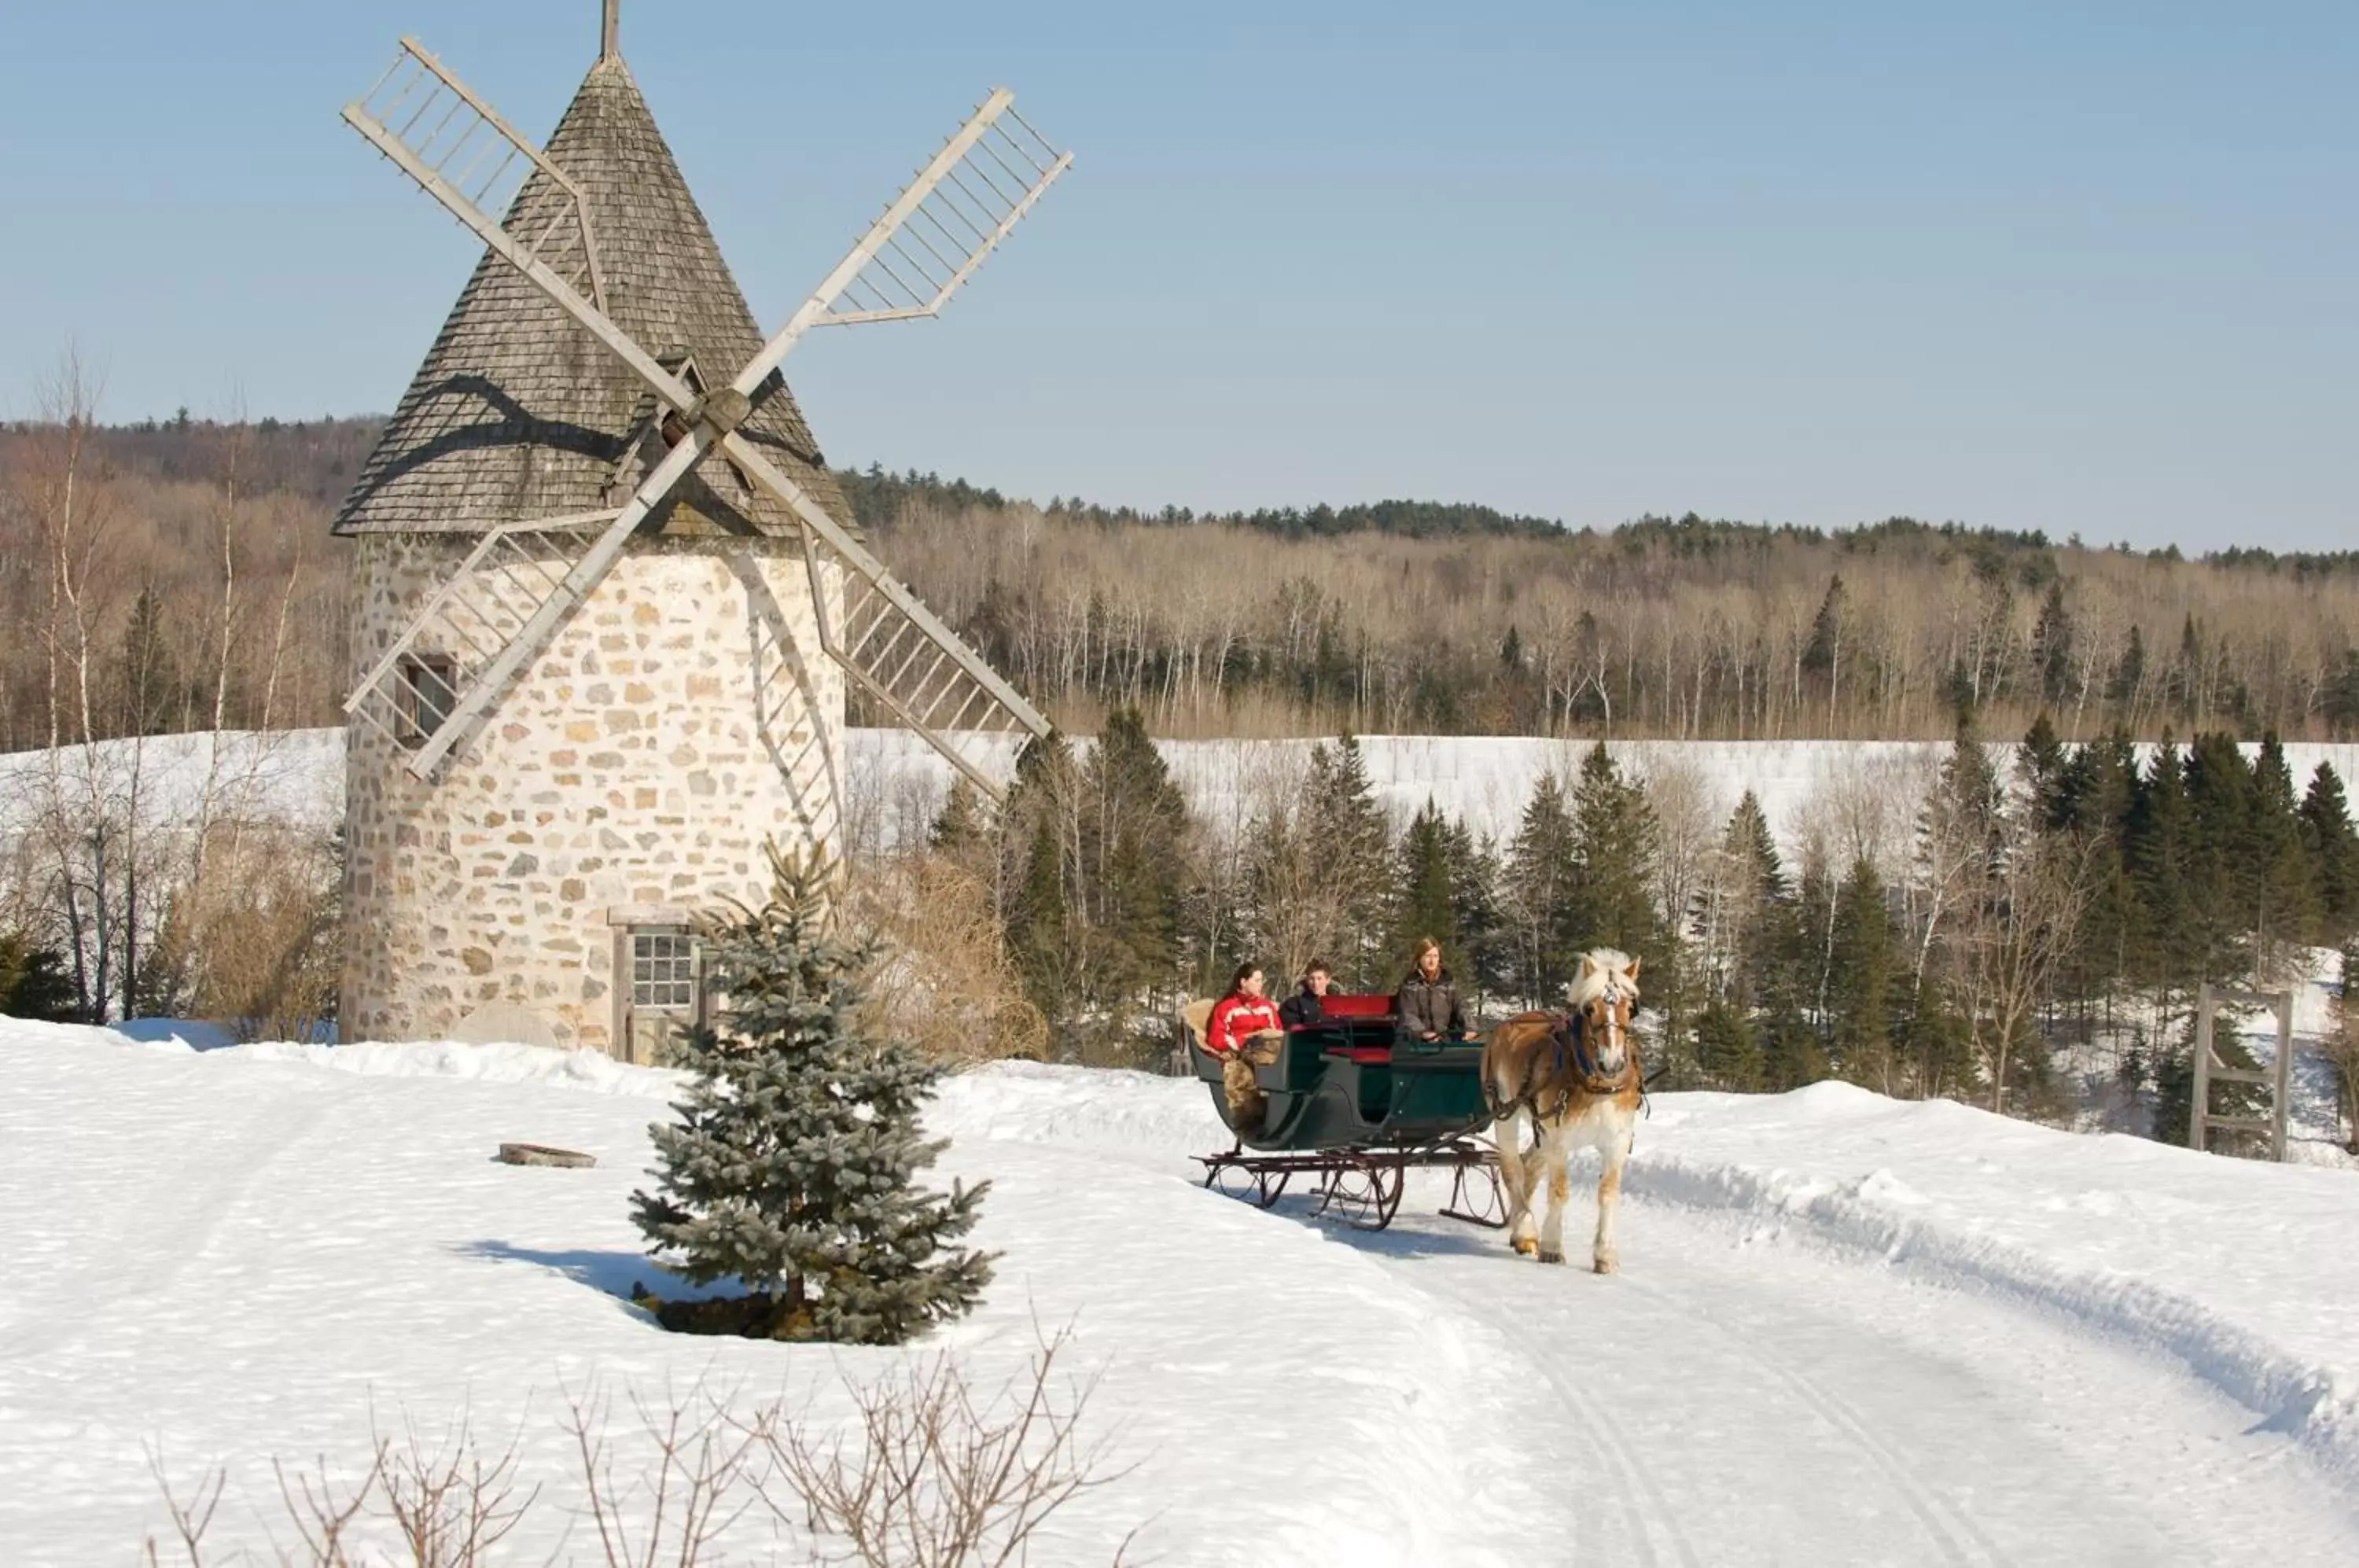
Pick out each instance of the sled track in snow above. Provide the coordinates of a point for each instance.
(1958, 1539)
(1636, 1474)
(191, 1214)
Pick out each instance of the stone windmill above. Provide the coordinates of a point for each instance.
(608, 601)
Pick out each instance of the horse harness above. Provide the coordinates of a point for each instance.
(1572, 1065)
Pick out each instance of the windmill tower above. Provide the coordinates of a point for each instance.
(609, 609)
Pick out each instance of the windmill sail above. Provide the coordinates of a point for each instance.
(448, 669)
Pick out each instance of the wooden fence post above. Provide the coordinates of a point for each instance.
(2201, 1108)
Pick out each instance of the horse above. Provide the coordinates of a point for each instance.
(1578, 1080)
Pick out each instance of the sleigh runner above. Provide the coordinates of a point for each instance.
(1352, 1111)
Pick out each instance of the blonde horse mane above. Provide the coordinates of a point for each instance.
(1600, 968)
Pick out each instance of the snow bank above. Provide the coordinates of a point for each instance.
(503, 1063)
(2242, 1271)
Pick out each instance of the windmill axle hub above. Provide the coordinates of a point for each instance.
(721, 412)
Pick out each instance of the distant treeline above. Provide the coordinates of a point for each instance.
(174, 574)
(2027, 927)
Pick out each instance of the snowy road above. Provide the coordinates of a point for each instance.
(1731, 1404)
(1847, 1331)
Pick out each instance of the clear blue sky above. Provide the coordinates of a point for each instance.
(2076, 267)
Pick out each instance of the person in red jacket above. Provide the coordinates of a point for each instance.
(1245, 1034)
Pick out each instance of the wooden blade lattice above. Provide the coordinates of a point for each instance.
(455, 145)
(447, 647)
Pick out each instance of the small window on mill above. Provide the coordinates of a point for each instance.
(663, 969)
(427, 686)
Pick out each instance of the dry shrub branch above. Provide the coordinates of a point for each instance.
(928, 1473)
(943, 979)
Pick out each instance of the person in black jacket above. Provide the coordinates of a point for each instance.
(1427, 1009)
(1307, 1005)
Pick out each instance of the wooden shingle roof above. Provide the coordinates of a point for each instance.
(519, 414)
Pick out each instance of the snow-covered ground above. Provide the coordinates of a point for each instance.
(1848, 1329)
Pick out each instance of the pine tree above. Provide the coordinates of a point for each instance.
(1544, 905)
(1475, 905)
(2221, 878)
(33, 981)
(790, 1169)
(1043, 932)
(2043, 765)
(2332, 847)
(2100, 791)
(1727, 1049)
(150, 675)
(1425, 906)
(2286, 895)
(1748, 926)
(2051, 646)
(2164, 948)
(1614, 836)
(1350, 838)
(1822, 655)
(2129, 675)
(1134, 828)
(961, 824)
(1859, 991)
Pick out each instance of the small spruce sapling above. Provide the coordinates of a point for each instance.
(790, 1167)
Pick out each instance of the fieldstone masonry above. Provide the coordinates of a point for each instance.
(682, 714)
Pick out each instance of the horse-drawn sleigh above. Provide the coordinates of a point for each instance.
(1347, 1104)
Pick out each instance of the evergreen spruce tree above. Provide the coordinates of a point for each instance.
(791, 1168)
(2223, 883)
(2164, 946)
(2045, 767)
(2051, 646)
(1545, 909)
(150, 676)
(1475, 908)
(1822, 655)
(2128, 677)
(1042, 928)
(33, 981)
(1350, 838)
(2285, 887)
(2332, 847)
(1859, 990)
(1727, 1049)
(961, 824)
(1614, 834)
(2100, 791)
(1426, 906)
(1134, 828)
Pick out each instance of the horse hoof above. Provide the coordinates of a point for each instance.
(1548, 1256)
(1524, 1246)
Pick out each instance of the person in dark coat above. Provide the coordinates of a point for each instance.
(1427, 1009)
(1307, 1005)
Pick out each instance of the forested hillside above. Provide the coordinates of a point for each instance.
(179, 574)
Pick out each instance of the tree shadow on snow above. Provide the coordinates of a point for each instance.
(608, 1273)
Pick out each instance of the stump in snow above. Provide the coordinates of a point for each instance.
(541, 1154)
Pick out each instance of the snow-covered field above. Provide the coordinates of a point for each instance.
(1848, 1329)
(898, 782)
